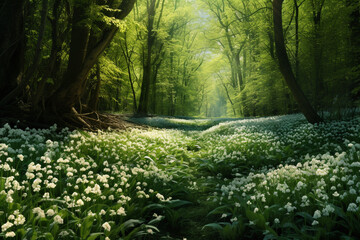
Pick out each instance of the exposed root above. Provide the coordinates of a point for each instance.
(90, 121)
(78, 117)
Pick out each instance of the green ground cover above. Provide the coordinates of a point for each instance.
(271, 178)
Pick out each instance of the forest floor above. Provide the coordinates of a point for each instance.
(272, 178)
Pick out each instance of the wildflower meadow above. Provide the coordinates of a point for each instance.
(262, 178)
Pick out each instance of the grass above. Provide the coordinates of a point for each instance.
(271, 178)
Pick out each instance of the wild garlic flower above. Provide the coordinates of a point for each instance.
(352, 207)
(6, 226)
(58, 219)
(50, 212)
(317, 214)
(39, 212)
(106, 226)
(10, 234)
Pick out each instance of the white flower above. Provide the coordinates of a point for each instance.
(352, 207)
(51, 185)
(6, 226)
(39, 212)
(317, 214)
(315, 223)
(20, 220)
(58, 219)
(233, 219)
(327, 210)
(10, 234)
(50, 212)
(276, 220)
(321, 172)
(80, 202)
(106, 226)
(121, 211)
(289, 207)
(160, 197)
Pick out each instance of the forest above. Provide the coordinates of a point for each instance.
(179, 119)
(177, 58)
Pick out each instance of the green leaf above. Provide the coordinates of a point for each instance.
(258, 219)
(156, 220)
(214, 226)
(54, 228)
(219, 210)
(48, 236)
(178, 203)
(131, 223)
(125, 226)
(86, 225)
(93, 236)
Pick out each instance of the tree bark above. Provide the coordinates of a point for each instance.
(297, 62)
(145, 86)
(319, 84)
(12, 46)
(54, 62)
(36, 61)
(355, 46)
(285, 67)
(94, 97)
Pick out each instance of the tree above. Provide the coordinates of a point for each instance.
(285, 67)
(85, 49)
(12, 46)
(147, 68)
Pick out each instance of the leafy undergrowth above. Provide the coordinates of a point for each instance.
(267, 178)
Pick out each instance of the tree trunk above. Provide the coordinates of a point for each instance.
(319, 84)
(355, 46)
(12, 47)
(145, 86)
(82, 58)
(297, 62)
(238, 68)
(285, 67)
(36, 61)
(154, 92)
(94, 97)
(228, 96)
(54, 62)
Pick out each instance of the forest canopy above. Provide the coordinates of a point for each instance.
(202, 58)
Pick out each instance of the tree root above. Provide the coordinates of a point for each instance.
(90, 121)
